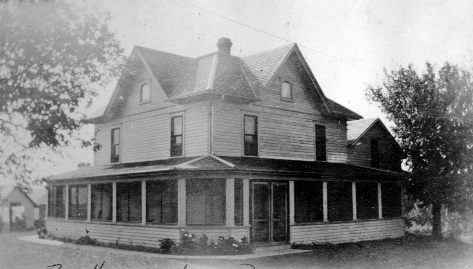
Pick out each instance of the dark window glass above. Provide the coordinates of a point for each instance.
(238, 202)
(286, 90)
(161, 202)
(366, 200)
(56, 202)
(374, 152)
(339, 199)
(308, 199)
(251, 136)
(320, 143)
(101, 207)
(391, 200)
(205, 201)
(78, 202)
(129, 202)
(115, 145)
(176, 136)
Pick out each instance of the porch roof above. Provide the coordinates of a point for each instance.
(230, 164)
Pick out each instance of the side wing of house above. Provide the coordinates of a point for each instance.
(377, 148)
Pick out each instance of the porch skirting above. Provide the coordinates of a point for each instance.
(345, 232)
(136, 234)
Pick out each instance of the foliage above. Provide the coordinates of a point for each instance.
(167, 245)
(53, 58)
(433, 114)
(190, 245)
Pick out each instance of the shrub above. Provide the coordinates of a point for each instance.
(189, 245)
(167, 245)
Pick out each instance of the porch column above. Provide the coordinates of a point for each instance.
(143, 202)
(380, 202)
(66, 206)
(246, 202)
(353, 198)
(114, 202)
(181, 202)
(325, 203)
(291, 203)
(89, 202)
(230, 202)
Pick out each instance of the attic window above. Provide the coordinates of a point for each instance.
(145, 93)
(286, 91)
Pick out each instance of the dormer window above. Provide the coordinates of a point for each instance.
(286, 91)
(145, 93)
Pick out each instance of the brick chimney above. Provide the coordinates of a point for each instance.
(224, 45)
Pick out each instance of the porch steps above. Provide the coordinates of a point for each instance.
(263, 249)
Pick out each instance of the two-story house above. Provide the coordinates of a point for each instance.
(228, 146)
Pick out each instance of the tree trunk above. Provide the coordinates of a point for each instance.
(437, 220)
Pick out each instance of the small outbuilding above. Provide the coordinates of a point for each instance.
(17, 210)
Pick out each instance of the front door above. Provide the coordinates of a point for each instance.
(270, 203)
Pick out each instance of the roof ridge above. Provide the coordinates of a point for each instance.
(268, 51)
(164, 52)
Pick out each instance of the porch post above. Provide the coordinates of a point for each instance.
(380, 202)
(291, 203)
(89, 202)
(325, 203)
(181, 201)
(230, 202)
(353, 197)
(246, 202)
(114, 202)
(143, 202)
(66, 206)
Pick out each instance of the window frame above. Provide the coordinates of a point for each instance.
(363, 209)
(76, 207)
(291, 91)
(101, 189)
(54, 204)
(115, 157)
(122, 189)
(144, 101)
(172, 135)
(254, 136)
(307, 206)
(210, 197)
(319, 142)
(162, 191)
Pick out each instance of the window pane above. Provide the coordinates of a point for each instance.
(145, 92)
(116, 136)
(176, 127)
(101, 208)
(339, 198)
(205, 200)
(286, 90)
(129, 202)
(161, 202)
(367, 200)
(115, 147)
(391, 200)
(250, 125)
(374, 150)
(251, 136)
(238, 202)
(320, 143)
(78, 202)
(308, 201)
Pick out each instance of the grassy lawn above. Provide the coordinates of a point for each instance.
(409, 252)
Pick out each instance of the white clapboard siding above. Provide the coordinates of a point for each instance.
(227, 130)
(196, 134)
(111, 233)
(347, 232)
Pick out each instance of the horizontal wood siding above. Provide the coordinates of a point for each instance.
(389, 154)
(347, 232)
(281, 133)
(196, 134)
(111, 233)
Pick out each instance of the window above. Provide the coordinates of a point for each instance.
(115, 147)
(374, 153)
(320, 143)
(56, 202)
(101, 207)
(339, 199)
(129, 202)
(238, 202)
(145, 93)
(367, 200)
(78, 202)
(205, 202)
(308, 199)
(251, 136)
(286, 91)
(391, 200)
(161, 202)
(176, 136)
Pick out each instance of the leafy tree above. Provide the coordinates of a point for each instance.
(54, 57)
(433, 114)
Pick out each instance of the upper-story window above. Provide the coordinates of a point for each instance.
(286, 91)
(320, 143)
(374, 153)
(176, 136)
(251, 135)
(145, 93)
(115, 145)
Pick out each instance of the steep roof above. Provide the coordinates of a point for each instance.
(357, 128)
(6, 190)
(341, 110)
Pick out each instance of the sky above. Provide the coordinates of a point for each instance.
(347, 44)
